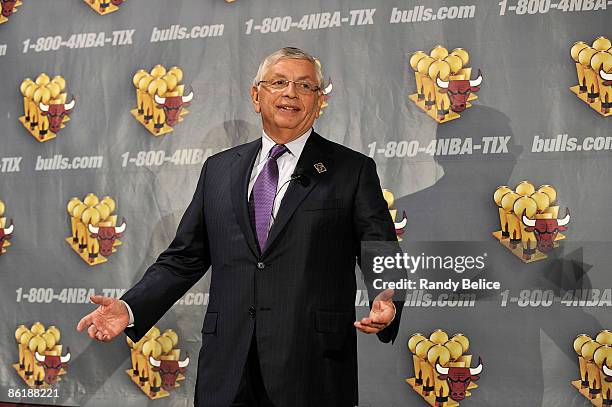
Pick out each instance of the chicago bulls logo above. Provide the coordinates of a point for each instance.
(172, 106)
(607, 77)
(56, 113)
(326, 95)
(443, 84)
(8, 6)
(528, 222)
(594, 74)
(52, 365)
(328, 89)
(169, 370)
(161, 98)
(5, 234)
(606, 91)
(546, 230)
(459, 378)
(106, 236)
(46, 106)
(459, 90)
(399, 226)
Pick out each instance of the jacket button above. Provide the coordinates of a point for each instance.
(261, 265)
(252, 312)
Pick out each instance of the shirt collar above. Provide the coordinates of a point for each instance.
(295, 147)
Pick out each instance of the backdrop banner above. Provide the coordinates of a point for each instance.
(491, 127)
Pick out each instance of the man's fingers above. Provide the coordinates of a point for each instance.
(383, 301)
(100, 300)
(365, 328)
(91, 331)
(386, 295)
(384, 316)
(99, 335)
(372, 323)
(84, 322)
(108, 336)
(370, 320)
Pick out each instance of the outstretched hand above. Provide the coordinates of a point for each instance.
(381, 314)
(107, 321)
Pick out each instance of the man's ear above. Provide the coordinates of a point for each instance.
(255, 99)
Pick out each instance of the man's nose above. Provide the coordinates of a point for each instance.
(290, 90)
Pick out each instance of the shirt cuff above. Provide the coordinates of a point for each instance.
(131, 322)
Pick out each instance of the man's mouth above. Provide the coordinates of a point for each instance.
(289, 108)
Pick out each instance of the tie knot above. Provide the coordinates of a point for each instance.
(277, 151)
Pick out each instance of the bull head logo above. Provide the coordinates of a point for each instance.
(172, 105)
(399, 226)
(106, 236)
(328, 89)
(546, 230)
(56, 113)
(169, 370)
(325, 95)
(459, 90)
(7, 7)
(52, 365)
(5, 234)
(607, 371)
(459, 378)
(607, 77)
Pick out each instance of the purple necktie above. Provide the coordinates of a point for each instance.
(263, 194)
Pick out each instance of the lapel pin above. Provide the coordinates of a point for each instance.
(320, 167)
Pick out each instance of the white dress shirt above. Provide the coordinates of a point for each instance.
(286, 166)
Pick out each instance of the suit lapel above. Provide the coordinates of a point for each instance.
(240, 176)
(313, 153)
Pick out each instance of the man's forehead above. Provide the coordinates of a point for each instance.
(296, 68)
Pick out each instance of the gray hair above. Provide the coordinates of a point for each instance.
(287, 53)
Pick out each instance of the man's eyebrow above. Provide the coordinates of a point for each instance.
(300, 78)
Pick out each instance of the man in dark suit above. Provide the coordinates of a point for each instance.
(278, 330)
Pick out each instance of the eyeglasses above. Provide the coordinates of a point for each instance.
(303, 88)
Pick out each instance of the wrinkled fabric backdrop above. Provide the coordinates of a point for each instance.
(527, 72)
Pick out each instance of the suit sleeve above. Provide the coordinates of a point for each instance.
(376, 231)
(176, 270)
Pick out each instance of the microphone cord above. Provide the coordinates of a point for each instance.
(293, 177)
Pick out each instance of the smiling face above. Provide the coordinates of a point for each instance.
(286, 113)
